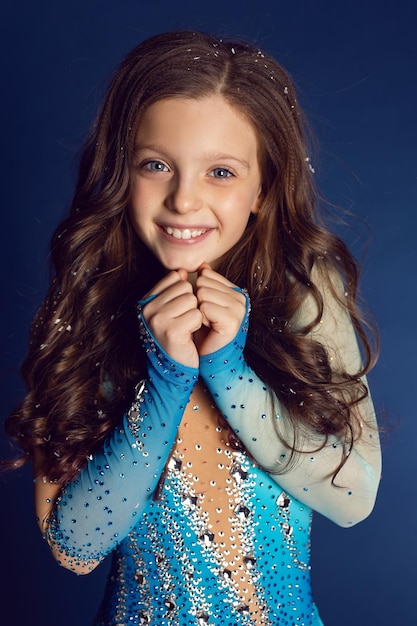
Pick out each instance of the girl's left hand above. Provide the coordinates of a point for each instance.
(222, 308)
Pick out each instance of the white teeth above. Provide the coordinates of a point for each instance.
(186, 233)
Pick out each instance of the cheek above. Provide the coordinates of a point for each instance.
(134, 218)
(247, 202)
(145, 200)
(138, 204)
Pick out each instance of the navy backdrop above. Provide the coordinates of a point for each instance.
(355, 64)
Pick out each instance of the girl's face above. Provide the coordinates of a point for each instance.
(196, 180)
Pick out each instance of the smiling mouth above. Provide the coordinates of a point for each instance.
(184, 233)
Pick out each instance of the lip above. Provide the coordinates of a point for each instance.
(184, 234)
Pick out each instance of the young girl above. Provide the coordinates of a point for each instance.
(195, 385)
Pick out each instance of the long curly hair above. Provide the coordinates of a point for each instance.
(84, 356)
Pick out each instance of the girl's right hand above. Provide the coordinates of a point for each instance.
(173, 316)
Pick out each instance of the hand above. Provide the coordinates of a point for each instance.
(222, 309)
(173, 316)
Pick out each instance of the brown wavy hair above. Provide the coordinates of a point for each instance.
(84, 356)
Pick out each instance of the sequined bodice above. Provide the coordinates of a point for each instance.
(222, 544)
(214, 473)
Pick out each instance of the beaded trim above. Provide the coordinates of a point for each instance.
(134, 416)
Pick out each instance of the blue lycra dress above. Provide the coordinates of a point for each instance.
(196, 539)
(171, 569)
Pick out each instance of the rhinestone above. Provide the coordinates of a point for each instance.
(170, 604)
(283, 501)
(207, 537)
(242, 511)
(134, 413)
(202, 618)
(189, 500)
(139, 577)
(175, 464)
(249, 561)
(238, 473)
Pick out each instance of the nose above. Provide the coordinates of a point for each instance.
(184, 195)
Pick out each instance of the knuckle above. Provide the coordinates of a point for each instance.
(157, 321)
(171, 335)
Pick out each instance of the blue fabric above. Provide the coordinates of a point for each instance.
(103, 504)
(163, 574)
(166, 568)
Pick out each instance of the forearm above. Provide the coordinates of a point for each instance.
(262, 424)
(98, 509)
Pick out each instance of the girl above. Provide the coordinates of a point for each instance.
(194, 443)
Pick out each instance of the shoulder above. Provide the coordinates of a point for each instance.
(325, 312)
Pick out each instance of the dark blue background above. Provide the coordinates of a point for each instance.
(355, 64)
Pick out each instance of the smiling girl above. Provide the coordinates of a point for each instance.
(194, 442)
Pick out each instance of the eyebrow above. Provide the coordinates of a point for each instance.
(211, 156)
(220, 156)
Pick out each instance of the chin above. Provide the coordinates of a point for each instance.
(190, 267)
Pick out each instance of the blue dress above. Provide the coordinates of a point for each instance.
(170, 570)
(200, 533)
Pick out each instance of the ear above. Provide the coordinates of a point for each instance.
(258, 202)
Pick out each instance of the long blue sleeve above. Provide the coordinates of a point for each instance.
(100, 507)
(244, 400)
(262, 423)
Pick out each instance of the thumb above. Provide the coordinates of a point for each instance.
(204, 266)
(183, 274)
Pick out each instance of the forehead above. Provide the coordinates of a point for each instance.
(211, 117)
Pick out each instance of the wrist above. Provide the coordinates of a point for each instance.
(160, 363)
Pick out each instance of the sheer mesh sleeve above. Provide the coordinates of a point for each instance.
(98, 509)
(262, 424)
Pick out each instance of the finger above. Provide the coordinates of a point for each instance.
(223, 324)
(222, 318)
(223, 308)
(168, 292)
(176, 337)
(161, 313)
(183, 274)
(209, 290)
(182, 327)
(206, 273)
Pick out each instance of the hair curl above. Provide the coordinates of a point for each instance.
(84, 355)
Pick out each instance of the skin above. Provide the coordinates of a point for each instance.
(196, 180)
